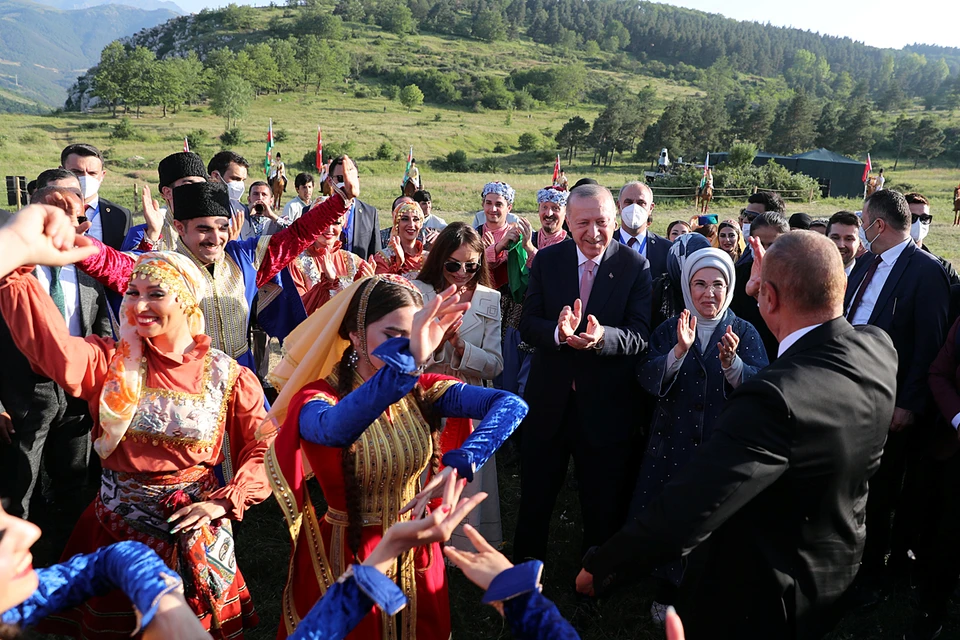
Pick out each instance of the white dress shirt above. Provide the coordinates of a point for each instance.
(96, 221)
(640, 246)
(71, 295)
(789, 341)
(848, 270)
(581, 261)
(887, 259)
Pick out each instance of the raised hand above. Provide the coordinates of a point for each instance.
(488, 239)
(236, 225)
(480, 567)
(569, 320)
(589, 338)
(429, 237)
(351, 180)
(152, 215)
(686, 333)
(397, 249)
(366, 268)
(509, 237)
(431, 323)
(436, 527)
(728, 348)
(756, 270)
(327, 268)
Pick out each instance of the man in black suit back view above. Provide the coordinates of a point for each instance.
(587, 312)
(781, 486)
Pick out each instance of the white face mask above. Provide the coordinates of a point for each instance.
(746, 229)
(339, 185)
(89, 186)
(235, 188)
(919, 230)
(867, 244)
(633, 216)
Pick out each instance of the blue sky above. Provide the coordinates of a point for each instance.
(880, 23)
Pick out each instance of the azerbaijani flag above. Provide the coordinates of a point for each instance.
(266, 160)
(706, 166)
(866, 169)
(406, 172)
(319, 150)
(186, 145)
(556, 170)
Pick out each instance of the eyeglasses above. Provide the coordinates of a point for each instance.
(702, 287)
(749, 215)
(925, 218)
(454, 266)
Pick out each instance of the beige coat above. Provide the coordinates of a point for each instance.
(482, 356)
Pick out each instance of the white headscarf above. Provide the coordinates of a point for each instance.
(703, 259)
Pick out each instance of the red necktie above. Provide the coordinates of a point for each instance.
(863, 287)
(631, 242)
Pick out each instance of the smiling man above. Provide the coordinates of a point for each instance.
(587, 313)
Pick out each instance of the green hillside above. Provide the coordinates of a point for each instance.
(42, 49)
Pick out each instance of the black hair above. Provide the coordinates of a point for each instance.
(83, 150)
(302, 179)
(52, 175)
(891, 206)
(773, 219)
(770, 200)
(223, 160)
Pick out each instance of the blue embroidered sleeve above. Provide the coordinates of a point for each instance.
(500, 413)
(348, 602)
(131, 567)
(531, 615)
(134, 237)
(341, 424)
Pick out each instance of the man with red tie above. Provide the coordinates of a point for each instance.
(904, 291)
(587, 312)
(109, 222)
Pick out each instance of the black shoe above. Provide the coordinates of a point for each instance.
(924, 627)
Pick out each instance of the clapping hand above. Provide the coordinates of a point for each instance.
(728, 348)
(429, 237)
(527, 232)
(327, 268)
(511, 235)
(397, 248)
(686, 333)
(488, 239)
(152, 215)
(569, 320)
(753, 284)
(236, 225)
(366, 268)
(589, 338)
(430, 324)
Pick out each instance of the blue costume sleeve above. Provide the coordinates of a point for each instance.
(531, 615)
(341, 424)
(348, 602)
(500, 413)
(134, 237)
(130, 566)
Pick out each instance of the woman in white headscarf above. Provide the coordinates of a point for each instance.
(695, 361)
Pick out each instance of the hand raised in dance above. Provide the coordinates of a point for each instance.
(236, 225)
(728, 348)
(756, 270)
(397, 249)
(436, 527)
(152, 215)
(41, 234)
(480, 567)
(686, 333)
(351, 180)
(431, 323)
(569, 320)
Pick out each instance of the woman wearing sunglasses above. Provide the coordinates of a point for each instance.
(472, 348)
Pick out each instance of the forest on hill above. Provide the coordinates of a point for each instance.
(661, 76)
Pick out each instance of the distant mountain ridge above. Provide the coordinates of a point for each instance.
(146, 5)
(43, 49)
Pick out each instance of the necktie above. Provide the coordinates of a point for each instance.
(586, 283)
(863, 287)
(631, 242)
(56, 290)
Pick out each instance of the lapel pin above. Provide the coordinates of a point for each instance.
(610, 275)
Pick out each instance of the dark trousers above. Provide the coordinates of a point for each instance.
(938, 556)
(52, 438)
(605, 477)
(886, 488)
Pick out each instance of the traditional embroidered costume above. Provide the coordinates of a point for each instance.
(313, 285)
(162, 423)
(393, 446)
(229, 285)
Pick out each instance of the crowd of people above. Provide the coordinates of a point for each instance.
(761, 411)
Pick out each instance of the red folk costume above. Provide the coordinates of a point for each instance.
(409, 264)
(313, 285)
(162, 422)
(391, 456)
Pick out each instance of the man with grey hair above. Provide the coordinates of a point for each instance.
(635, 205)
(587, 312)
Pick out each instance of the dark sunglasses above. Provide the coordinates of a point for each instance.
(454, 266)
(749, 215)
(925, 218)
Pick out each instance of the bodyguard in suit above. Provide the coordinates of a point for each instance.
(635, 205)
(903, 290)
(50, 430)
(781, 486)
(587, 312)
(109, 222)
(361, 226)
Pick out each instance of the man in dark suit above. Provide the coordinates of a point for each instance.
(40, 426)
(766, 227)
(781, 485)
(109, 222)
(361, 226)
(587, 312)
(635, 206)
(904, 291)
